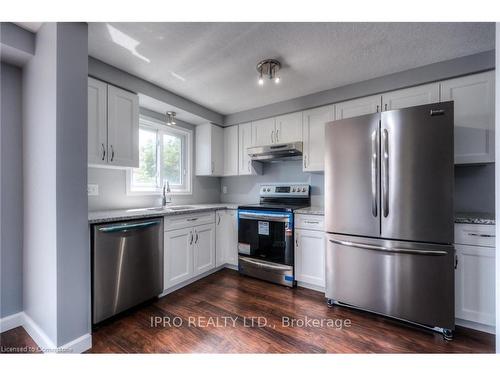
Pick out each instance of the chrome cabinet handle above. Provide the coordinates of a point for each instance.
(272, 136)
(387, 249)
(456, 261)
(296, 242)
(305, 161)
(385, 183)
(277, 135)
(213, 167)
(374, 172)
(103, 151)
(377, 107)
(192, 219)
(249, 166)
(191, 238)
(196, 240)
(112, 153)
(481, 235)
(218, 217)
(385, 106)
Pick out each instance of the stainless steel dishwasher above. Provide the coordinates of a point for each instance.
(127, 265)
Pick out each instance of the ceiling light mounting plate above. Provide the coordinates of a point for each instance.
(268, 68)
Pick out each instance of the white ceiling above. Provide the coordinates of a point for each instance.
(161, 107)
(213, 64)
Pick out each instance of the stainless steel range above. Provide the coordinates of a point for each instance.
(266, 235)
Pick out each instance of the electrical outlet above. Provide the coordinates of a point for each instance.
(224, 189)
(92, 190)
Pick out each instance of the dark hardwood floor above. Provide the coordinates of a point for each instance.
(227, 295)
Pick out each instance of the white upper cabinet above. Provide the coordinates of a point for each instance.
(113, 125)
(410, 97)
(97, 122)
(314, 137)
(123, 128)
(288, 128)
(474, 111)
(231, 164)
(245, 164)
(358, 107)
(209, 150)
(263, 132)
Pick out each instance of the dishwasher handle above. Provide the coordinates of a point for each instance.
(129, 227)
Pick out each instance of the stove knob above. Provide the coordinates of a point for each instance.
(293, 190)
(304, 189)
(268, 190)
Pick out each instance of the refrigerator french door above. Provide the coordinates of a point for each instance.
(389, 214)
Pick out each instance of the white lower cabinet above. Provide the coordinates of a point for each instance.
(189, 249)
(226, 237)
(178, 256)
(475, 276)
(204, 248)
(310, 251)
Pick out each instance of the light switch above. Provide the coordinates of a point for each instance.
(224, 189)
(92, 190)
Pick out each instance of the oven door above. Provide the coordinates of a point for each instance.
(266, 235)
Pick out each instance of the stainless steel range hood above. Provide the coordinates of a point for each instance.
(270, 153)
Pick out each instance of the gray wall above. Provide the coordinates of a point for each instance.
(56, 264)
(245, 189)
(113, 193)
(475, 188)
(11, 196)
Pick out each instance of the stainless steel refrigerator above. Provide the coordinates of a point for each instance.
(389, 214)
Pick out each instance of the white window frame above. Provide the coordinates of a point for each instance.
(187, 159)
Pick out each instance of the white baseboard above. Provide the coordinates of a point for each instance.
(474, 325)
(12, 321)
(21, 319)
(311, 286)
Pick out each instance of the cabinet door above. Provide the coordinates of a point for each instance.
(245, 164)
(123, 128)
(229, 224)
(217, 151)
(358, 107)
(474, 98)
(230, 158)
(97, 122)
(413, 96)
(289, 128)
(204, 248)
(310, 257)
(314, 137)
(475, 284)
(178, 256)
(221, 236)
(263, 132)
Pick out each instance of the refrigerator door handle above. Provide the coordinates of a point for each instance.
(385, 173)
(374, 171)
(388, 249)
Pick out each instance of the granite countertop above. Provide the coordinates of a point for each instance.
(474, 218)
(312, 210)
(119, 215)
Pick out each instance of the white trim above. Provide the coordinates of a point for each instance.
(37, 334)
(78, 345)
(11, 321)
(311, 286)
(474, 325)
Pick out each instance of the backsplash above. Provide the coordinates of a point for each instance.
(475, 188)
(113, 192)
(245, 189)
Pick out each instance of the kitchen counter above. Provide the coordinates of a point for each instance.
(312, 210)
(474, 218)
(108, 216)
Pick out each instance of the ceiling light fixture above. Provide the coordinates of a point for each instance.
(171, 118)
(268, 68)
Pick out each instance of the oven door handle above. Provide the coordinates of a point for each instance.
(266, 264)
(268, 217)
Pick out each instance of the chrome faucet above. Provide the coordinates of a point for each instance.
(166, 199)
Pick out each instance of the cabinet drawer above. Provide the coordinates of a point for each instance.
(312, 222)
(475, 234)
(191, 220)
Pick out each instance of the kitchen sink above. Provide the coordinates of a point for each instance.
(179, 208)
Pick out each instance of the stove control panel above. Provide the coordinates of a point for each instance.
(284, 190)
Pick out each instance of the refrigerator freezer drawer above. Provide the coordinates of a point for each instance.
(409, 281)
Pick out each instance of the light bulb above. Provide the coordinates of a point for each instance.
(261, 81)
(277, 80)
